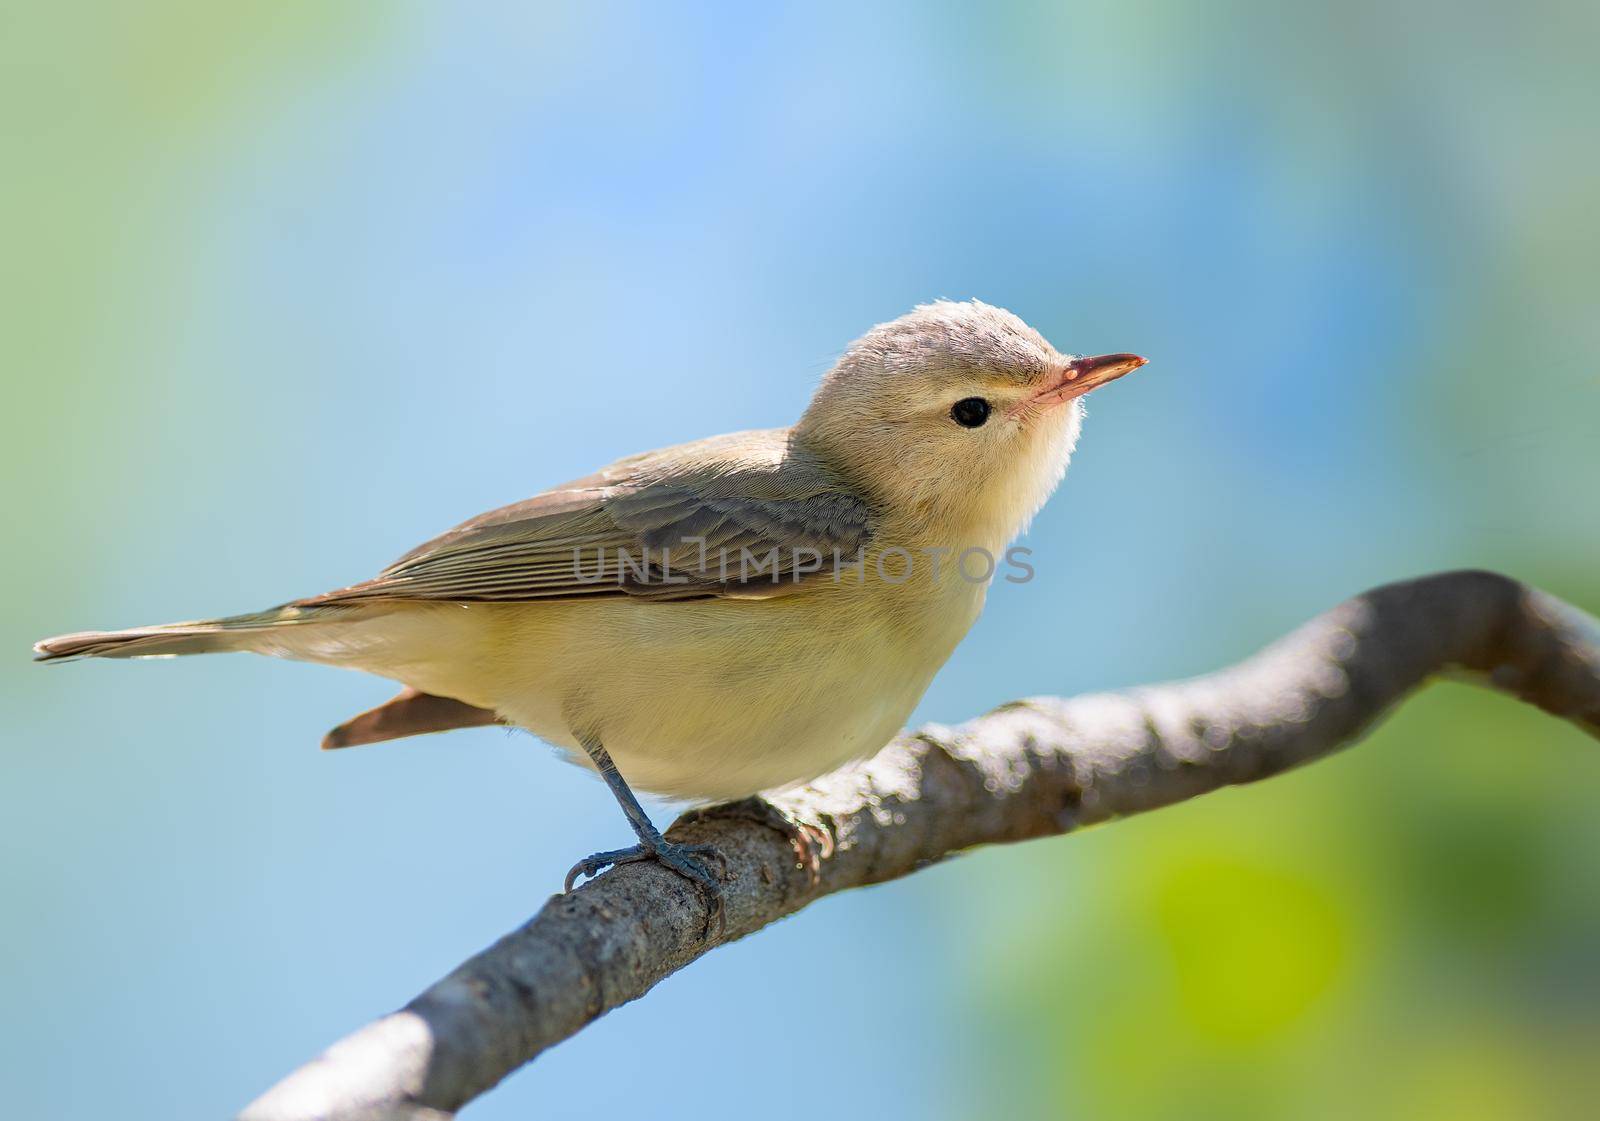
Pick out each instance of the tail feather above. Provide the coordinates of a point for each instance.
(203, 636)
(412, 713)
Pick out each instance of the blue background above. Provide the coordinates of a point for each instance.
(293, 286)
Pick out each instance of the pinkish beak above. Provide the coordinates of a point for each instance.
(1083, 374)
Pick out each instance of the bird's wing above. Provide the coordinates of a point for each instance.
(740, 516)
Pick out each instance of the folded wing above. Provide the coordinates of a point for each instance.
(748, 516)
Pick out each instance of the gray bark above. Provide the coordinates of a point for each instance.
(1031, 768)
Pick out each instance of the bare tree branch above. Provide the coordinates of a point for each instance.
(1029, 769)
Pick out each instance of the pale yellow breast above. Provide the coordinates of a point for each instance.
(696, 700)
(721, 698)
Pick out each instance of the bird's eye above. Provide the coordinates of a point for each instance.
(970, 412)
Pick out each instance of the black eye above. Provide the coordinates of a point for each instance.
(970, 412)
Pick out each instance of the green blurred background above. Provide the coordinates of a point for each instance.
(288, 287)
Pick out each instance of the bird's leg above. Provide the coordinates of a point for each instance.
(652, 845)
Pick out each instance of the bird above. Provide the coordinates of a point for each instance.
(720, 618)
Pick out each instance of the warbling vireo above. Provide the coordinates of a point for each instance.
(723, 617)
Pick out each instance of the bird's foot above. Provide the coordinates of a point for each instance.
(811, 842)
(680, 858)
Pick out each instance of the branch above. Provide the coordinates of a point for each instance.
(1029, 769)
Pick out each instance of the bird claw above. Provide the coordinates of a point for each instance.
(810, 842)
(679, 858)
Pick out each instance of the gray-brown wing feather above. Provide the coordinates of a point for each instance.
(741, 515)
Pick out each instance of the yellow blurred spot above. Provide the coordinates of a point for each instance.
(1253, 948)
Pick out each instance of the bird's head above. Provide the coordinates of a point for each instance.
(959, 415)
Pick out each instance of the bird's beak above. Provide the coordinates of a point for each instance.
(1085, 373)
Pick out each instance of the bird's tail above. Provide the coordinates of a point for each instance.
(203, 636)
